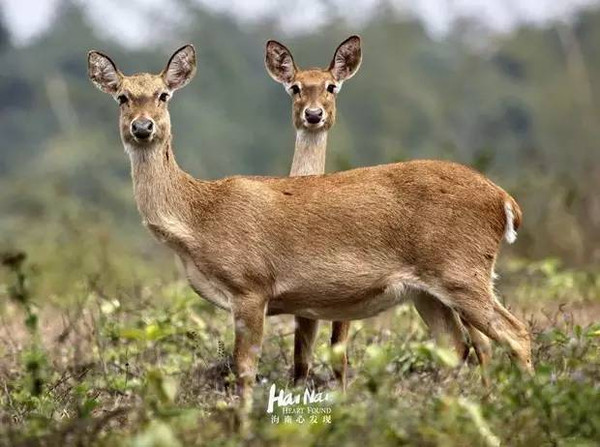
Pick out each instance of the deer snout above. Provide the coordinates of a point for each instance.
(142, 128)
(313, 116)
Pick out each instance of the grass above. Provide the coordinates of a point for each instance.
(99, 349)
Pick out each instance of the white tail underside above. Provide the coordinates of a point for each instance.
(509, 233)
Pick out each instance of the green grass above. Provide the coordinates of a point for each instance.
(115, 350)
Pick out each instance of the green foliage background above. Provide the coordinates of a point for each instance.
(522, 107)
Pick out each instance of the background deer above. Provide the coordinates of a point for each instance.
(336, 247)
(314, 92)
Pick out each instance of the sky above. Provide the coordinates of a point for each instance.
(27, 19)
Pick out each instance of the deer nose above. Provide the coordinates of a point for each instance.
(142, 128)
(313, 116)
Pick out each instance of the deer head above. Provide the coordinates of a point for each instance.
(313, 91)
(144, 120)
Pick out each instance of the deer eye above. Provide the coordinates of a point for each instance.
(122, 99)
(295, 89)
(331, 88)
(163, 97)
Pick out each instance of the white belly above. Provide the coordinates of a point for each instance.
(392, 296)
(396, 293)
(209, 288)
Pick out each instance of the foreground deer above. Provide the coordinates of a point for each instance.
(335, 247)
(314, 93)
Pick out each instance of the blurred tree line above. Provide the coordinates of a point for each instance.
(522, 107)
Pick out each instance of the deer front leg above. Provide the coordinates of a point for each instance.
(304, 342)
(249, 317)
(339, 337)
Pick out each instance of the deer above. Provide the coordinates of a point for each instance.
(340, 246)
(314, 92)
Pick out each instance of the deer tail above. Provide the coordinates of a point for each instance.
(514, 216)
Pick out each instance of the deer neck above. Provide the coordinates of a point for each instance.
(160, 186)
(309, 153)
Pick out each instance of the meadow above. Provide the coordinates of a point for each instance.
(105, 344)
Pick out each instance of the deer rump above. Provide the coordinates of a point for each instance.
(349, 245)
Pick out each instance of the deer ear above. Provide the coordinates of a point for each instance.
(279, 62)
(347, 59)
(103, 72)
(181, 68)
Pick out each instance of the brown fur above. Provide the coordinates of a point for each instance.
(337, 246)
(309, 158)
(312, 85)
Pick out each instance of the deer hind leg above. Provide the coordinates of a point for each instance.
(479, 308)
(517, 337)
(483, 349)
(305, 335)
(444, 324)
(481, 344)
(339, 337)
